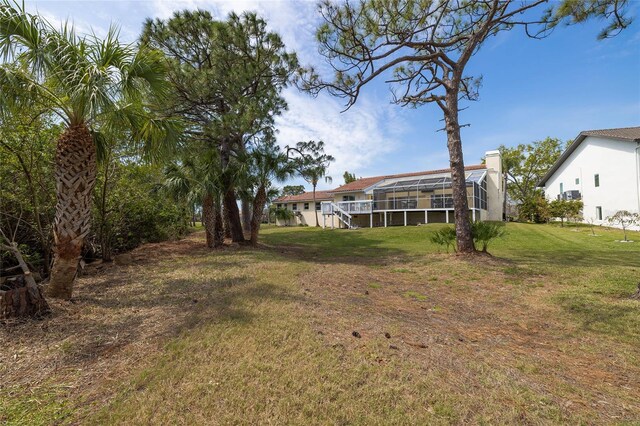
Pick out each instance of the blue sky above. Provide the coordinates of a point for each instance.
(531, 88)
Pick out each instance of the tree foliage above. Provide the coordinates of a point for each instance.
(293, 190)
(524, 167)
(348, 177)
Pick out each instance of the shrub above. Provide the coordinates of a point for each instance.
(445, 236)
(484, 232)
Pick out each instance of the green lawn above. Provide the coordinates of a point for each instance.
(544, 332)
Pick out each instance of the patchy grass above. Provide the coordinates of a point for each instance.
(415, 295)
(542, 333)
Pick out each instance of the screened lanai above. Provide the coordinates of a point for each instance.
(429, 193)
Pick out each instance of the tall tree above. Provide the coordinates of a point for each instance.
(422, 48)
(195, 179)
(268, 164)
(526, 164)
(312, 164)
(228, 77)
(293, 190)
(93, 85)
(348, 177)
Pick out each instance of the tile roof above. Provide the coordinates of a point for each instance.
(306, 196)
(362, 183)
(630, 133)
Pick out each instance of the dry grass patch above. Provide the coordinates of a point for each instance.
(184, 335)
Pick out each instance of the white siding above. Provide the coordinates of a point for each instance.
(616, 163)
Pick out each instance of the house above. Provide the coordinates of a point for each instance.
(303, 207)
(601, 168)
(402, 199)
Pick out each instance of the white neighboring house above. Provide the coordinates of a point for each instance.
(602, 168)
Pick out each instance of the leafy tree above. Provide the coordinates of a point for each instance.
(624, 219)
(423, 47)
(293, 190)
(565, 209)
(129, 210)
(93, 85)
(312, 164)
(525, 165)
(227, 76)
(27, 191)
(348, 177)
(535, 209)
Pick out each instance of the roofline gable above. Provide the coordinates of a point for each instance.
(574, 145)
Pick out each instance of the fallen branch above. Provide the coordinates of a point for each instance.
(21, 297)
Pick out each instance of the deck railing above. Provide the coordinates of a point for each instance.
(351, 207)
(409, 203)
(420, 203)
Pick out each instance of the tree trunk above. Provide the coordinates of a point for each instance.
(505, 217)
(464, 238)
(208, 219)
(258, 208)
(246, 216)
(75, 176)
(21, 297)
(226, 223)
(218, 227)
(231, 206)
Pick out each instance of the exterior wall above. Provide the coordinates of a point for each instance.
(616, 163)
(495, 186)
(359, 196)
(303, 217)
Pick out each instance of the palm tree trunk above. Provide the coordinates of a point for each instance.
(258, 208)
(75, 176)
(218, 227)
(246, 216)
(231, 206)
(208, 219)
(464, 238)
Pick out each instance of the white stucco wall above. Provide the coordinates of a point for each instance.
(615, 161)
(495, 186)
(305, 217)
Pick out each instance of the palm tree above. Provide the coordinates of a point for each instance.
(312, 165)
(94, 86)
(196, 180)
(268, 164)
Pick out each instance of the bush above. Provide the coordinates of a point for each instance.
(484, 232)
(445, 236)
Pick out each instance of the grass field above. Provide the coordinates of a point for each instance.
(370, 326)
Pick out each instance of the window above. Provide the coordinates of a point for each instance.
(294, 206)
(318, 206)
(306, 206)
(596, 180)
(348, 198)
(598, 212)
(561, 188)
(278, 206)
(577, 181)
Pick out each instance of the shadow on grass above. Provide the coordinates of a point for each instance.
(611, 317)
(333, 246)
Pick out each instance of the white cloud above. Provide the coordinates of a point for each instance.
(356, 138)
